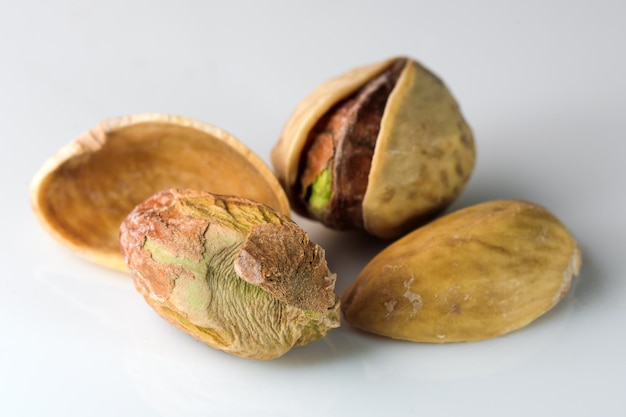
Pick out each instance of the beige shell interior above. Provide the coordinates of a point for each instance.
(82, 194)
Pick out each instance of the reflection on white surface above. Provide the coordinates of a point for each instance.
(467, 360)
(186, 377)
(176, 375)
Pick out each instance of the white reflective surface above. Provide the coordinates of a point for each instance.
(541, 84)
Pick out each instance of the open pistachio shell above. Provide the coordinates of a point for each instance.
(477, 273)
(82, 194)
(420, 158)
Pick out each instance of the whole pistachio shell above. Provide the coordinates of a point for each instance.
(383, 148)
(82, 194)
(233, 273)
(474, 274)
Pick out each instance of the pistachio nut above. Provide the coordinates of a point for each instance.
(82, 194)
(233, 273)
(382, 148)
(474, 274)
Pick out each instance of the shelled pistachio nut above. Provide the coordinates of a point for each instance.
(233, 273)
(382, 148)
(82, 194)
(477, 273)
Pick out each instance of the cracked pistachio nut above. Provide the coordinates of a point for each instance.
(82, 194)
(383, 148)
(235, 274)
(474, 274)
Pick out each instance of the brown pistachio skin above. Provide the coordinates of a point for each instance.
(233, 273)
(402, 150)
(474, 274)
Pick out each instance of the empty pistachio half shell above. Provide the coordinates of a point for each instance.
(382, 148)
(233, 273)
(82, 194)
(474, 274)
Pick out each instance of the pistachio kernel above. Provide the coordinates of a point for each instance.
(339, 152)
(233, 273)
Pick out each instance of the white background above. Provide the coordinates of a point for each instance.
(542, 83)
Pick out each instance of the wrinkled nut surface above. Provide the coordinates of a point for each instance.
(382, 148)
(82, 194)
(231, 272)
(477, 273)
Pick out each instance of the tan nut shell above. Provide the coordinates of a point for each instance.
(424, 152)
(474, 274)
(82, 194)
